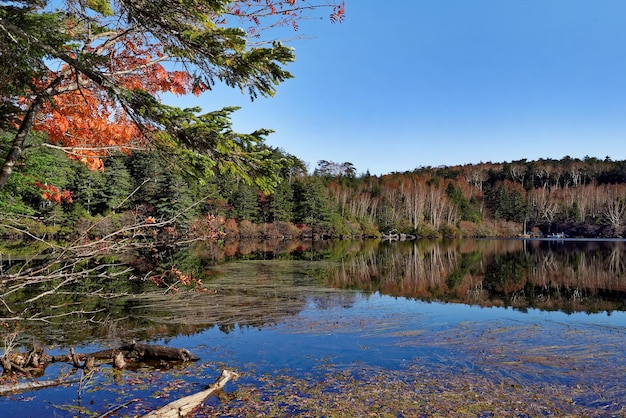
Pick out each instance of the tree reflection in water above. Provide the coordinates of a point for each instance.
(562, 275)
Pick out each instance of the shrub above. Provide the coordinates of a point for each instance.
(450, 231)
(428, 231)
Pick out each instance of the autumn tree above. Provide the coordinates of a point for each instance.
(414, 190)
(91, 75)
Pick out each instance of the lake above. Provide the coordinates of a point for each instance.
(357, 328)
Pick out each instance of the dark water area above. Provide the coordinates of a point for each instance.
(517, 327)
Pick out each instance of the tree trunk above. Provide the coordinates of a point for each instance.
(20, 138)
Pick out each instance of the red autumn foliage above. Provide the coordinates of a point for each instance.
(50, 192)
(85, 121)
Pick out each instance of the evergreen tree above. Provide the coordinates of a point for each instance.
(281, 203)
(244, 203)
(90, 190)
(310, 204)
(119, 184)
(468, 213)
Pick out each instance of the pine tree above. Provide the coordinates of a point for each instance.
(91, 73)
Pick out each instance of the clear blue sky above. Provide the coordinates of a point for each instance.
(403, 84)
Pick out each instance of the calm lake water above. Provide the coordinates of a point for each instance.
(543, 321)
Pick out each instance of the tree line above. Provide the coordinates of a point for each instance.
(576, 197)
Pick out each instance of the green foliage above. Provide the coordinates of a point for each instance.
(40, 163)
(119, 184)
(22, 61)
(468, 212)
(428, 231)
(280, 203)
(310, 203)
(450, 231)
(101, 6)
(506, 204)
(219, 52)
(205, 145)
(90, 190)
(243, 203)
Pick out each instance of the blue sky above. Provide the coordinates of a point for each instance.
(403, 84)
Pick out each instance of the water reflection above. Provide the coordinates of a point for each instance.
(270, 282)
(331, 312)
(562, 275)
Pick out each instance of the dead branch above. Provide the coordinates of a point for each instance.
(184, 406)
(57, 267)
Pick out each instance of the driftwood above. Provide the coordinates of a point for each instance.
(34, 362)
(31, 363)
(184, 406)
(35, 384)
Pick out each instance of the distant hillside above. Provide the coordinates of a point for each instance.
(585, 198)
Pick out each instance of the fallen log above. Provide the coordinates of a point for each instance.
(35, 384)
(33, 363)
(184, 406)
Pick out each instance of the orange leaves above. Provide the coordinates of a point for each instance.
(93, 163)
(88, 125)
(86, 121)
(198, 88)
(179, 278)
(49, 192)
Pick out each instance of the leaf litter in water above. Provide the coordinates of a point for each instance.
(503, 376)
(416, 392)
(473, 369)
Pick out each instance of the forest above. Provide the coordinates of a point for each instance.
(574, 197)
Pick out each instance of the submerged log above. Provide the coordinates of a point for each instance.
(160, 352)
(184, 406)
